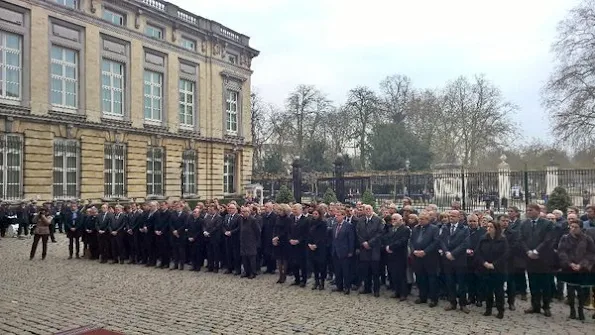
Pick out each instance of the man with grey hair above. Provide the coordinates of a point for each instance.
(369, 234)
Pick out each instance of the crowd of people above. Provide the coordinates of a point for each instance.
(465, 259)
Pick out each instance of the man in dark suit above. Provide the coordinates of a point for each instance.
(454, 248)
(103, 237)
(23, 219)
(536, 243)
(162, 226)
(369, 234)
(298, 254)
(117, 235)
(396, 243)
(474, 284)
(213, 223)
(424, 243)
(149, 220)
(269, 217)
(512, 237)
(352, 219)
(73, 224)
(133, 235)
(343, 239)
(231, 240)
(179, 236)
(519, 263)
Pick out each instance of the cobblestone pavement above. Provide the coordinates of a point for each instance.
(42, 297)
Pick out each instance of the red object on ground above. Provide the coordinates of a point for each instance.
(88, 330)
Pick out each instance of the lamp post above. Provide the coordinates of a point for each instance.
(297, 179)
(408, 179)
(339, 178)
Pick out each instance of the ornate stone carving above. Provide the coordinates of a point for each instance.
(8, 123)
(203, 46)
(174, 29)
(243, 60)
(92, 6)
(70, 131)
(224, 50)
(139, 12)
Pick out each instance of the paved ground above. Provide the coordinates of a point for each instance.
(42, 297)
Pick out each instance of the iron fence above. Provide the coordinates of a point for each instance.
(474, 190)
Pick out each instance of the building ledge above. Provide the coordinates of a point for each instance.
(115, 122)
(189, 132)
(65, 116)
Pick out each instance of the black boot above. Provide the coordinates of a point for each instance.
(315, 286)
(571, 300)
(572, 313)
(321, 286)
(581, 314)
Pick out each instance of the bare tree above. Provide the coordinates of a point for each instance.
(338, 129)
(363, 107)
(476, 118)
(569, 95)
(305, 110)
(396, 93)
(261, 126)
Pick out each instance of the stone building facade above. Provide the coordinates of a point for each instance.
(121, 99)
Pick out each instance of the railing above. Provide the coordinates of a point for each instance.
(155, 4)
(195, 20)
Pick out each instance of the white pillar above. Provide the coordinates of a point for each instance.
(551, 178)
(504, 187)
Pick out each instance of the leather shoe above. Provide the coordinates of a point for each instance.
(511, 307)
(433, 304)
(547, 312)
(531, 311)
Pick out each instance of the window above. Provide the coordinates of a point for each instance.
(11, 46)
(153, 95)
(112, 88)
(67, 3)
(14, 50)
(154, 171)
(115, 77)
(155, 32)
(232, 111)
(229, 173)
(154, 88)
(66, 169)
(64, 85)
(188, 44)
(114, 17)
(233, 59)
(186, 103)
(189, 172)
(66, 73)
(11, 164)
(114, 182)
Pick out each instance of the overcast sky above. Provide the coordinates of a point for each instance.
(339, 44)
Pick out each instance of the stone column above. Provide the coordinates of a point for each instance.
(551, 177)
(297, 179)
(504, 187)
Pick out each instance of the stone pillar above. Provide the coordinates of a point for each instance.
(340, 179)
(551, 177)
(504, 187)
(448, 183)
(297, 180)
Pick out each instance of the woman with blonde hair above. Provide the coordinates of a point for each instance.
(281, 241)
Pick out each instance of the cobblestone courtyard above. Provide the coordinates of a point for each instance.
(42, 297)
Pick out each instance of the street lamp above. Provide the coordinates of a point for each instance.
(408, 182)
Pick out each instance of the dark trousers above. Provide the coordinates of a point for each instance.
(268, 261)
(232, 254)
(369, 274)
(52, 231)
(149, 248)
(299, 264)
(92, 243)
(494, 288)
(213, 254)
(354, 276)
(455, 284)
(576, 291)
(249, 264)
(74, 244)
(133, 243)
(540, 285)
(44, 245)
(557, 287)
(162, 243)
(178, 249)
(398, 277)
(117, 246)
(510, 289)
(23, 226)
(520, 281)
(104, 245)
(426, 274)
(318, 266)
(475, 287)
(342, 273)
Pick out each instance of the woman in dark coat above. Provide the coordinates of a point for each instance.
(576, 252)
(317, 236)
(249, 241)
(491, 256)
(42, 231)
(280, 240)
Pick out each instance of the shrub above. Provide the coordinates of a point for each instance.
(329, 196)
(284, 196)
(368, 198)
(559, 199)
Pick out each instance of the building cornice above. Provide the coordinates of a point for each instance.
(20, 113)
(126, 33)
